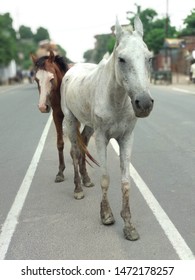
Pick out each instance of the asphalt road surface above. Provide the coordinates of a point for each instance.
(41, 220)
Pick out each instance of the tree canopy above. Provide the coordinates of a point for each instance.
(189, 22)
(155, 31)
(7, 39)
(19, 44)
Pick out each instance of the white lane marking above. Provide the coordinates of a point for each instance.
(168, 227)
(182, 90)
(11, 221)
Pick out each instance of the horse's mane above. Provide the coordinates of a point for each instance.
(59, 60)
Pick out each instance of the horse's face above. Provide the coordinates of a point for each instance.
(44, 81)
(132, 66)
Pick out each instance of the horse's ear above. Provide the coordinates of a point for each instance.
(119, 30)
(33, 57)
(51, 56)
(138, 26)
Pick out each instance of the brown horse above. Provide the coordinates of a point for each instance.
(49, 71)
(57, 67)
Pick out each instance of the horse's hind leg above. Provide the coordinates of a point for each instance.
(75, 152)
(125, 154)
(58, 117)
(86, 135)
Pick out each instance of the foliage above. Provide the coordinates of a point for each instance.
(7, 40)
(25, 32)
(189, 21)
(41, 34)
(158, 32)
(19, 45)
(155, 39)
(155, 29)
(88, 55)
(147, 17)
(104, 44)
(62, 52)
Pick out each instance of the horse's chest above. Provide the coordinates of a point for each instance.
(118, 128)
(116, 125)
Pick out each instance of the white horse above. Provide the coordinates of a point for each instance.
(108, 98)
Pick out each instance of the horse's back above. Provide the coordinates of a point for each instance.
(79, 71)
(76, 91)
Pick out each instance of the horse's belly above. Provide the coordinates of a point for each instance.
(80, 108)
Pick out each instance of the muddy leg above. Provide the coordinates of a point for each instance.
(75, 154)
(73, 127)
(105, 209)
(125, 154)
(129, 230)
(58, 120)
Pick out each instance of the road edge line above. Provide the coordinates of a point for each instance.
(175, 238)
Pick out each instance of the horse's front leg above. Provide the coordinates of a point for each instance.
(58, 117)
(125, 155)
(105, 209)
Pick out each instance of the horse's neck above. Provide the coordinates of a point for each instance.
(60, 75)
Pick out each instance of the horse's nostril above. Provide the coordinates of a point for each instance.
(152, 100)
(137, 103)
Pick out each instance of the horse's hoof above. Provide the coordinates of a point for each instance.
(131, 233)
(108, 220)
(59, 178)
(89, 184)
(79, 195)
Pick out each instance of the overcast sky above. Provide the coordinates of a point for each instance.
(73, 23)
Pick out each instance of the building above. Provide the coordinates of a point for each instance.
(176, 55)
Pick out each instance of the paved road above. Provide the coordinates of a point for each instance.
(53, 225)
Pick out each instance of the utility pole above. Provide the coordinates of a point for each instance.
(166, 34)
(137, 12)
(167, 18)
(138, 9)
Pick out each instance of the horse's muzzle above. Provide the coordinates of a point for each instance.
(142, 106)
(44, 108)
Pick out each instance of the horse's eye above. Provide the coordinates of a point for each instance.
(121, 60)
(150, 59)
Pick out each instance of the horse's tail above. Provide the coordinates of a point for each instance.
(83, 147)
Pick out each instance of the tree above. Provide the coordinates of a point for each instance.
(104, 43)
(155, 30)
(20, 47)
(41, 34)
(155, 39)
(147, 17)
(189, 21)
(25, 32)
(88, 55)
(7, 40)
(157, 34)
